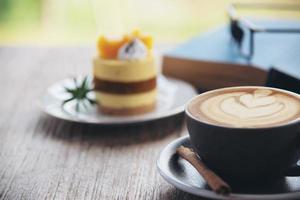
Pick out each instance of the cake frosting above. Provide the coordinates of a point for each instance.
(133, 50)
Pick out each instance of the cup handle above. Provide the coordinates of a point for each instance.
(294, 170)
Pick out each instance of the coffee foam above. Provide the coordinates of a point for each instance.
(246, 107)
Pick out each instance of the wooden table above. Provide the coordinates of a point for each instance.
(45, 158)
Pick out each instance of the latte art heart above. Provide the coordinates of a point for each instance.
(247, 107)
(233, 107)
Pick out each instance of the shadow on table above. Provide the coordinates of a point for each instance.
(175, 194)
(109, 135)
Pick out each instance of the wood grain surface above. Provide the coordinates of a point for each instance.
(45, 158)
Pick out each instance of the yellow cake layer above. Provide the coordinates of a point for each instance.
(123, 70)
(127, 100)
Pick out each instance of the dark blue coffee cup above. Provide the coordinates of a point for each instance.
(246, 154)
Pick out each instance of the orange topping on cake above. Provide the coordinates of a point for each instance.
(108, 48)
(146, 39)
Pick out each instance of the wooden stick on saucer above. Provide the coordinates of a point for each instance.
(212, 179)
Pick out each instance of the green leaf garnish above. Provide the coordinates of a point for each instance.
(80, 94)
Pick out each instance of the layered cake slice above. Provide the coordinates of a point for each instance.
(125, 75)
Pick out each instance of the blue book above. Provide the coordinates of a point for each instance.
(212, 60)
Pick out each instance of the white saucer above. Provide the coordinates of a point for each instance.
(173, 94)
(183, 176)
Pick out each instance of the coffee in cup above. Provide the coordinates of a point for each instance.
(246, 107)
(245, 133)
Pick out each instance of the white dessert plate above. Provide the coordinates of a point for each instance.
(183, 176)
(173, 94)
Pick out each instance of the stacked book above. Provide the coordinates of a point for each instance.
(212, 60)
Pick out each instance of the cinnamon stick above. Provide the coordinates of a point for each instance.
(212, 179)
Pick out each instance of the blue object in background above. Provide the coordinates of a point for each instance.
(281, 50)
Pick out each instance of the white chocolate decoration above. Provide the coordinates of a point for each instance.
(133, 50)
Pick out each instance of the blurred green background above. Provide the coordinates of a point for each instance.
(54, 22)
